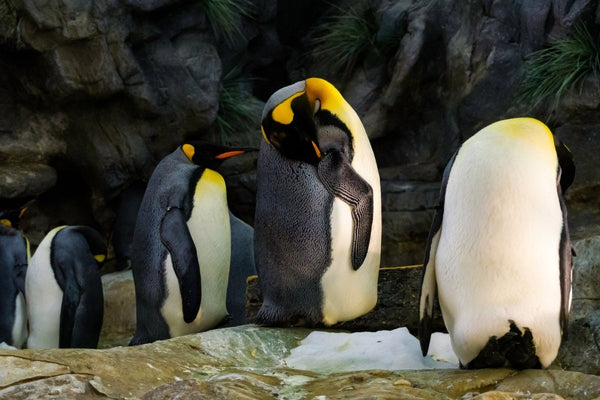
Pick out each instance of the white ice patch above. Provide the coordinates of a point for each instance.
(387, 350)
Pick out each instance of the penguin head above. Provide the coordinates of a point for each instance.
(305, 120)
(11, 214)
(211, 155)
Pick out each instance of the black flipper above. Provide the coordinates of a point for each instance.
(89, 313)
(428, 281)
(20, 269)
(178, 241)
(566, 260)
(94, 240)
(70, 302)
(76, 271)
(342, 181)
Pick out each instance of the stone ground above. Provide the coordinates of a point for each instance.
(247, 363)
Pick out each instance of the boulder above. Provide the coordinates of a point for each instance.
(25, 180)
(249, 362)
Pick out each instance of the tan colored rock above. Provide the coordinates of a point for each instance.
(118, 325)
(16, 369)
(247, 363)
(72, 387)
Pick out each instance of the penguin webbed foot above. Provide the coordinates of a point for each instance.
(342, 181)
(515, 349)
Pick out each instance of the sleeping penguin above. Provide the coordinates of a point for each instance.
(14, 256)
(317, 228)
(181, 246)
(63, 288)
(498, 253)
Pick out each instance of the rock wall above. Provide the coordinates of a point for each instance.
(94, 93)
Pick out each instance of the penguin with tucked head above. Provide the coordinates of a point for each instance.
(499, 253)
(63, 288)
(317, 228)
(14, 256)
(181, 245)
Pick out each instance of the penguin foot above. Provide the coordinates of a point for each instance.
(514, 350)
(269, 315)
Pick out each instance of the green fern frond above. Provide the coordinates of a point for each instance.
(561, 67)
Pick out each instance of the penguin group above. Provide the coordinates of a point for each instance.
(54, 298)
(498, 256)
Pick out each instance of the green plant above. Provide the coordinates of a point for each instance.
(341, 40)
(552, 71)
(223, 17)
(238, 109)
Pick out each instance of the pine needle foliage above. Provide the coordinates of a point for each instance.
(553, 71)
(224, 17)
(238, 109)
(342, 40)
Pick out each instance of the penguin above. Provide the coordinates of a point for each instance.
(181, 246)
(63, 288)
(14, 257)
(499, 254)
(317, 227)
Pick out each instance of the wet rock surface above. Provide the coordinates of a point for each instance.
(247, 362)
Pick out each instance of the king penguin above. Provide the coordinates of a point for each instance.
(181, 245)
(63, 289)
(317, 227)
(498, 252)
(14, 257)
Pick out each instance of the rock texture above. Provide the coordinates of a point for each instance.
(94, 94)
(246, 362)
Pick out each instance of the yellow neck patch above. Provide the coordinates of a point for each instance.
(6, 222)
(189, 151)
(100, 258)
(530, 129)
(326, 93)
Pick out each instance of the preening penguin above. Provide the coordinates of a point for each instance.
(498, 252)
(181, 245)
(63, 288)
(14, 256)
(317, 226)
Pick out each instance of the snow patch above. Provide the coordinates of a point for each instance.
(388, 350)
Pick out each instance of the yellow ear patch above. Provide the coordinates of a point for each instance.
(100, 257)
(6, 222)
(283, 113)
(189, 151)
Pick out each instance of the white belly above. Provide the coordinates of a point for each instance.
(19, 332)
(210, 230)
(497, 258)
(44, 298)
(348, 294)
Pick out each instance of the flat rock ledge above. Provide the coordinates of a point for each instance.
(248, 362)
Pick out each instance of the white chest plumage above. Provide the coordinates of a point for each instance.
(497, 257)
(44, 298)
(210, 231)
(347, 293)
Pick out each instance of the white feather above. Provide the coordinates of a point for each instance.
(210, 231)
(348, 294)
(497, 257)
(44, 298)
